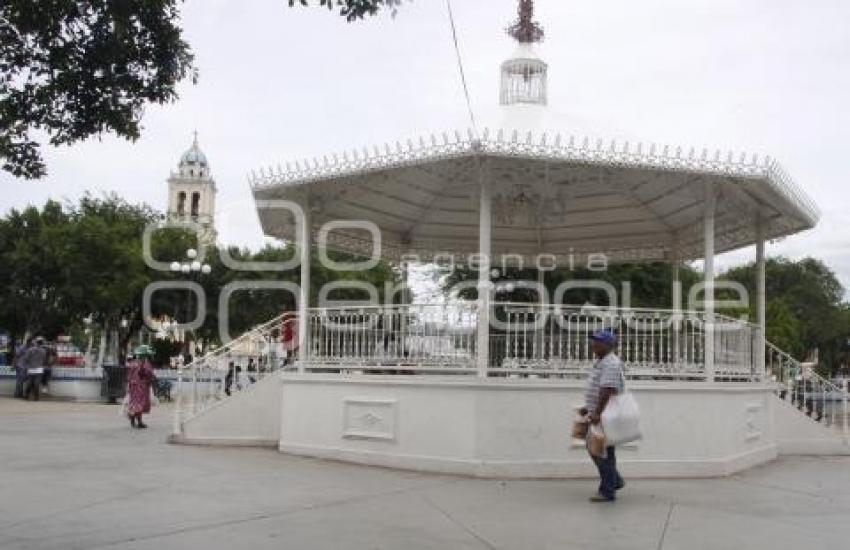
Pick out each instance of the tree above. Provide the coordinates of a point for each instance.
(355, 9)
(79, 68)
(75, 69)
(31, 293)
(650, 285)
(811, 312)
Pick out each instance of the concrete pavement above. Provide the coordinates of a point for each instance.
(75, 476)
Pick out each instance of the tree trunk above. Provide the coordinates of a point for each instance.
(102, 347)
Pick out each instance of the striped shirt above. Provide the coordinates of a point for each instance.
(607, 373)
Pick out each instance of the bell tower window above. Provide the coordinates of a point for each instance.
(181, 204)
(196, 202)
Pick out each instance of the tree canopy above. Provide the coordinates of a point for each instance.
(63, 264)
(354, 9)
(76, 69)
(805, 306)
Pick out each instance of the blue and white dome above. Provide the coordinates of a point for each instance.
(193, 163)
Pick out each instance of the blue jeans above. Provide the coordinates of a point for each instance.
(20, 378)
(610, 479)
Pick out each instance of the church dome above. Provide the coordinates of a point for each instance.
(194, 156)
(193, 162)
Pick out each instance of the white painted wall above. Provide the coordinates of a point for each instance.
(250, 417)
(509, 428)
(74, 389)
(798, 434)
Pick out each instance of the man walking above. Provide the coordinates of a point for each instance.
(605, 380)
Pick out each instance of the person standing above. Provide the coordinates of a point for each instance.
(20, 368)
(34, 361)
(605, 380)
(50, 360)
(140, 377)
(232, 375)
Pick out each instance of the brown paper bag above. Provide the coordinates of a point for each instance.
(596, 441)
(580, 426)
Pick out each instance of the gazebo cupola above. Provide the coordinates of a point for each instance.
(524, 73)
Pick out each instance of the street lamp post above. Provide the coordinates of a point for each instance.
(191, 269)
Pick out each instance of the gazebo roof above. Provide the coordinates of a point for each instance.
(567, 197)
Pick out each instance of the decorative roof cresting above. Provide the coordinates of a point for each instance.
(537, 146)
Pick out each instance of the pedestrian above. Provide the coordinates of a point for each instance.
(606, 380)
(34, 361)
(51, 358)
(232, 374)
(140, 377)
(20, 368)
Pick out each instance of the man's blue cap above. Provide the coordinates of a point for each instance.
(605, 336)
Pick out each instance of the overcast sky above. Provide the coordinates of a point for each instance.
(276, 84)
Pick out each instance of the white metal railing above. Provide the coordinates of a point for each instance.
(525, 339)
(427, 337)
(798, 384)
(554, 339)
(231, 368)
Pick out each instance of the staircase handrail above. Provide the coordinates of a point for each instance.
(258, 329)
(199, 362)
(787, 357)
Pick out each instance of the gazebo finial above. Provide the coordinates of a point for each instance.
(526, 30)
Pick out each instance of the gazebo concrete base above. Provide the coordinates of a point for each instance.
(508, 428)
(521, 428)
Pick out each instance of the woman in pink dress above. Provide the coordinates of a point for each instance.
(140, 377)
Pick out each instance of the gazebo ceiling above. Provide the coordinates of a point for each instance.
(548, 197)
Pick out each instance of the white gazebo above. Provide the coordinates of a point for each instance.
(517, 196)
(384, 383)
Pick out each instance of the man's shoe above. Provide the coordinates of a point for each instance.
(620, 485)
(599, 497)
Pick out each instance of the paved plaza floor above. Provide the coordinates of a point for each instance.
(75, 476)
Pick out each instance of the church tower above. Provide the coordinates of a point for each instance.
(191, 192)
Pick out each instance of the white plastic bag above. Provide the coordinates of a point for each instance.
(621, 419)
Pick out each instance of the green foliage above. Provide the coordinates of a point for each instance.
(649, 285)
(805, 307)
(76, 69)
(163, 350)
(80, 68)
(59, 265)
(355, 9)
(783, 328)
(804, 311)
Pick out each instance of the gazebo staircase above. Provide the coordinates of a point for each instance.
(204, 388)
(798, 385)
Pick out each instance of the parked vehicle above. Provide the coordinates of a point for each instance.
(68, 355)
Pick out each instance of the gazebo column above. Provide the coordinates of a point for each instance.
(708, 227)
(304, 242)
(484, 287)
(676, 294)
(541, 332)
(761, 326)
